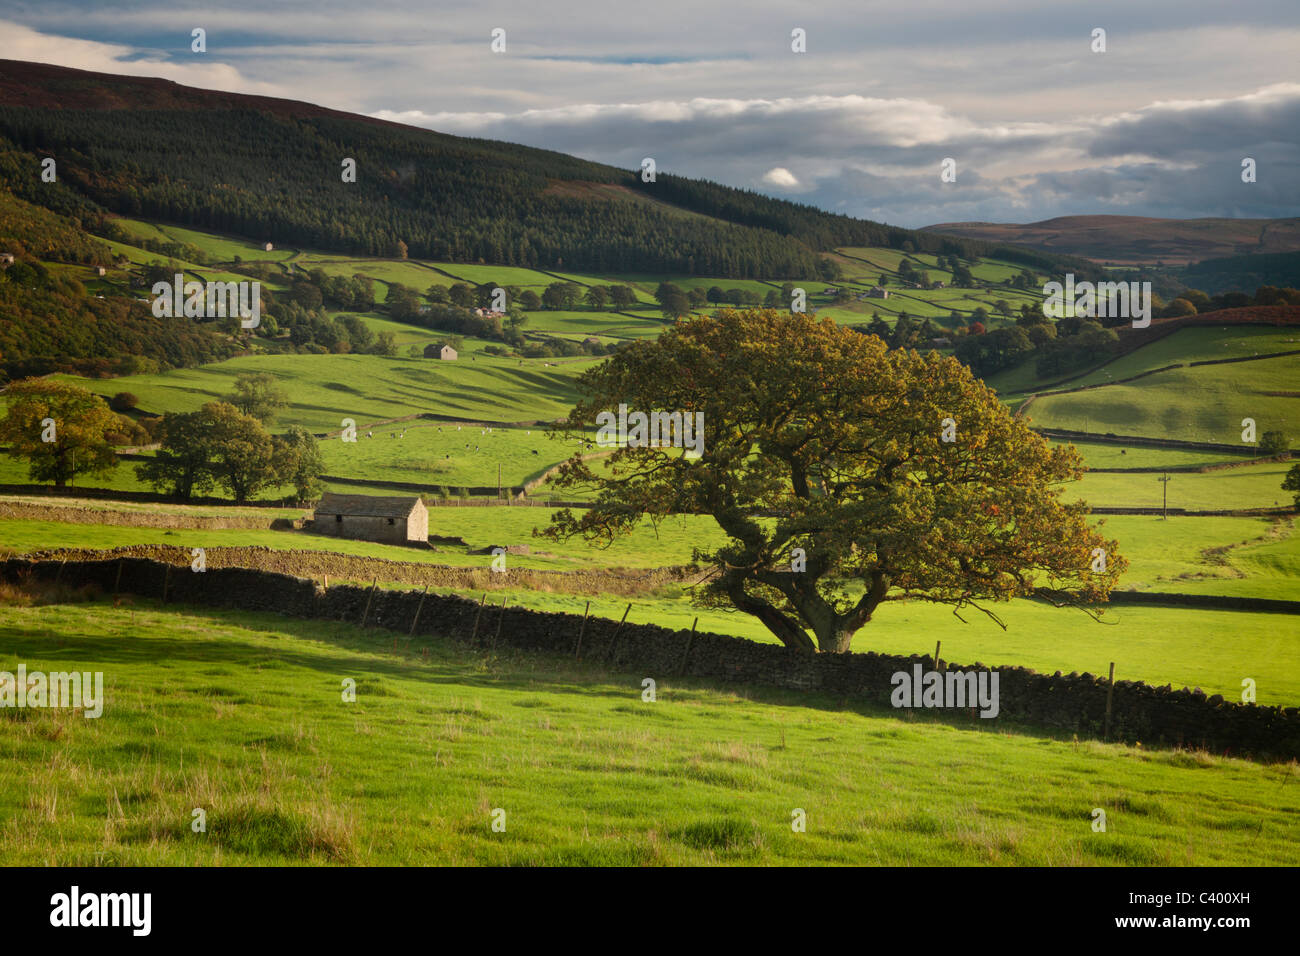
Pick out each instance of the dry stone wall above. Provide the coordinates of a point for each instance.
(1074, 703)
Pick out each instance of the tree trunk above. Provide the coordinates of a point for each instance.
(840, 642)
(785, 628)
(790, 634)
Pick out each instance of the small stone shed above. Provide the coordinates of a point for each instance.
(392, 520)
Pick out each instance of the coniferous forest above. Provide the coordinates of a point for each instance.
(272, 170)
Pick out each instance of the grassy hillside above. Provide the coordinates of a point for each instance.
(369, 388)
(241, 715)
(1206, 403)
(1183, 346)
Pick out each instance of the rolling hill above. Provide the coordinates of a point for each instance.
(127, 145)
(1138, 240)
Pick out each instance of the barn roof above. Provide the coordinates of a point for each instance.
(368, 506)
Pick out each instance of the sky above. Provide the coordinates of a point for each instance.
(1039, 124)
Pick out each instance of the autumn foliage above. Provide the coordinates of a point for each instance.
(826, 465)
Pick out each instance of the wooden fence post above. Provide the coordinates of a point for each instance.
(117, 582)
(167, 577)
(613, 644)
(690, 639)
(936, 654)
(415, 620)
(473, 638)
(500, 621)
(1110, 696)
(577, 651)
(59, 573)
(366, 613)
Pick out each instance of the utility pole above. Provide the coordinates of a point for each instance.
(498, 480)
(1164, 487)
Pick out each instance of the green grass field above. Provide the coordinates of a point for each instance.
(446, 455)
(1206, 403)
(241, 715)
(1106, 455)
(1249, 486)
(324, 389)
(1196, 344)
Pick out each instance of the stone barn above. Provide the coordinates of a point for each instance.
(440, 350)
(391, 520)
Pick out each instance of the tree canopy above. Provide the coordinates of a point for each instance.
(842, 473)
(62, 430)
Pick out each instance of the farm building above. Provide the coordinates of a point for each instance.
(269, 247)
(440, 350)
(100, 271)
(6, 258)
(392, 520)
(878, 292)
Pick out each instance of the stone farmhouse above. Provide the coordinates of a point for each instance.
(391, 520)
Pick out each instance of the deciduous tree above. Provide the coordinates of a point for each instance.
(825, 466)
(77, 423)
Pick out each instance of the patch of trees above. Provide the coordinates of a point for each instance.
(1196, 302)
(220, 446)
(460, 321)
(63, 431)
(1233, 273)
(906, 332)
(551, 346)
(52, 324)
(1292, 482)
(993, 351)
(1077, 343)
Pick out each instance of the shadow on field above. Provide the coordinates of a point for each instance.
(435, 661)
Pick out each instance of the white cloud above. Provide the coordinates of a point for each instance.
(781, 178)
(18, 42)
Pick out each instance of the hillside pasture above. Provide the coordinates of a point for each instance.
(447, 455)
(324, 389)
(1206, 403)
(248, 705)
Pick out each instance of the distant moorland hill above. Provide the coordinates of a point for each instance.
(1138, 240)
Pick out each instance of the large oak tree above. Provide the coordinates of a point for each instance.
(825, 464)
